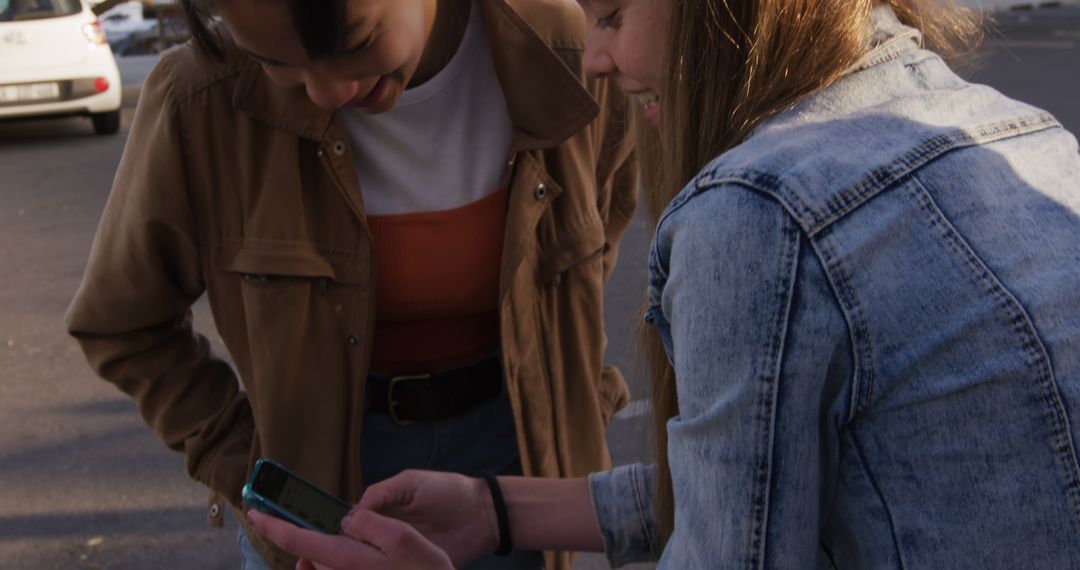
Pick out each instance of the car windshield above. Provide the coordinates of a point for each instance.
(17, 10)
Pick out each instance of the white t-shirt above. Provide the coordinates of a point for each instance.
(446, 142)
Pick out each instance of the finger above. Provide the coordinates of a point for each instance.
(289, 537)
(304, 565)
(388, 535)
(383, 496)
(325, 549)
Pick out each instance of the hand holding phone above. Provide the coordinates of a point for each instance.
(275, 490)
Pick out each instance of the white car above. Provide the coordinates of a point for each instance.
(55, 61)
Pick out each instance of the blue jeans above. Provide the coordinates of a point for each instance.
(482, 439)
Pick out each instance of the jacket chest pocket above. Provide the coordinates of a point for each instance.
(299, 319)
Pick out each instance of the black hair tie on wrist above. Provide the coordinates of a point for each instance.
(503, 518)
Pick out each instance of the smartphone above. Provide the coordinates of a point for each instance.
(275, 490)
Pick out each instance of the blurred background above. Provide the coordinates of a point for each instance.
(83, 482)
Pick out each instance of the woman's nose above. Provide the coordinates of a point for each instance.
(329, 92)
(598, 61)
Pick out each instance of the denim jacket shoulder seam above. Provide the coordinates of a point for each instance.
(757, 181)
(814, 220)
(851, 198)
(715, 178)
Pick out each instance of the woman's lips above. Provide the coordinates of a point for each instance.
(375, 95)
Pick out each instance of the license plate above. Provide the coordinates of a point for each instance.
(29, 92)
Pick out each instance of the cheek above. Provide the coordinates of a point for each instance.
(644, 64)
(404, 40)
(394, 51)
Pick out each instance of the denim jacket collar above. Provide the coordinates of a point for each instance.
(889, 39)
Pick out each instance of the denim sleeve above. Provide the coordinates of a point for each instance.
(623, 501)
(722, 281)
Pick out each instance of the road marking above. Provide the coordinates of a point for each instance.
(1033, 44)
(634, 409)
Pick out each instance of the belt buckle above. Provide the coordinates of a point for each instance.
(391, 404)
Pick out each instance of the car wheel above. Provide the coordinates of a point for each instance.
(106, 123)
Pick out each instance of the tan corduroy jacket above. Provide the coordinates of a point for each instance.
(227, 175)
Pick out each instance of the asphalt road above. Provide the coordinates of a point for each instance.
(83, 482)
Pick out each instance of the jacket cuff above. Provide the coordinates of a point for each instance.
(623, 501)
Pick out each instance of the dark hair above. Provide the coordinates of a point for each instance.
(319, 24)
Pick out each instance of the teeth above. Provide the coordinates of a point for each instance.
(647, 98)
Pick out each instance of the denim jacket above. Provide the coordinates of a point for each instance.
(872, 307)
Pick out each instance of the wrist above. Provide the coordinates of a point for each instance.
(502, 516)
(488, 521)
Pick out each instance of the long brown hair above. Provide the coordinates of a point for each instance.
(732, 64)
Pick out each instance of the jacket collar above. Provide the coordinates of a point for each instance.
(546, 100)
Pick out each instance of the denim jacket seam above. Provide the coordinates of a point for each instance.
(862, 381)
(642, 512)
(1020, 323)
(892, 49)
(847, 200)
(773, 352)
(862, 349)
(766, 183)
(861, 455)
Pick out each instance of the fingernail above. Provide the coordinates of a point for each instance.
(345, 521)
(251, 515)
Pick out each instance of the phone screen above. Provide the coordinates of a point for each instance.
(287, 492)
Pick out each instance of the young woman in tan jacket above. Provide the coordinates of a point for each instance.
(403, 213)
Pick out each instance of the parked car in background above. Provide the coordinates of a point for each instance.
(55, 61)
(123, 21)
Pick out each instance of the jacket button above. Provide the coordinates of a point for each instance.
(353, 340)
(539, 192)
(215, 510)
(339, 148)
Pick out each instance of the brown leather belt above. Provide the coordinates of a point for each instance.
(431, 397)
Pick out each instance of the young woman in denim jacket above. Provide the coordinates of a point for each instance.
(866, 297)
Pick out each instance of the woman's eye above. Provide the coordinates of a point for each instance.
(609, 21)
(266, 64)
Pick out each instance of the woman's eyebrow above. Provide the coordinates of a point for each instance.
(259, 58)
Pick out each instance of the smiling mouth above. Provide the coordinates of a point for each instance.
(647, 99)
(376, 93)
